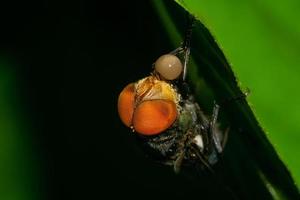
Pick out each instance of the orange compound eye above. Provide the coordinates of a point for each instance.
(126, 104)
(154, 116)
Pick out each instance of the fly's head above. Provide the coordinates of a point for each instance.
(151, 105)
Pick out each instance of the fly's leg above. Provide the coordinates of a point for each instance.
(177, 51)
(184, 144)
(214, 116)
(225, 137)
(185, 46)
(214, 140)
(186, 60)
(179, 155)
(178, 162)
(216, 134)
(201, 158)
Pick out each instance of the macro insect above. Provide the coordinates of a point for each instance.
(167, 121)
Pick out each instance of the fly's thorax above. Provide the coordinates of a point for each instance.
(187, 118)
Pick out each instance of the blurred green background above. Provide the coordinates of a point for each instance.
(63, 64)
(261, 40)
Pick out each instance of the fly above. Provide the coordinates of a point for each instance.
(168, 122)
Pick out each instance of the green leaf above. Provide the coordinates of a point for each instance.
(261, 42)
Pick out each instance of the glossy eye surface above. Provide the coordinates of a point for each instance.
(168, 66)
(148, 106)
(126, 104)
(154, 116)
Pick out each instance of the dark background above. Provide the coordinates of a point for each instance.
(73, 59)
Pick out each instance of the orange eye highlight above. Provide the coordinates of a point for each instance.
(126, 104)
(154, 116)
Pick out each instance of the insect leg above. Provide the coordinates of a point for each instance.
(225, 137)
(178, 162)
(202, 158)
(186, 60)
(187, 44)
(176, 51)
(216, 137)
(215, 114)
